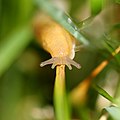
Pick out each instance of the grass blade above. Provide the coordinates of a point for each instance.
(62, 19)
(114, 112)
(13, 46)
(96, 6)
(60, 99)
(103, 93)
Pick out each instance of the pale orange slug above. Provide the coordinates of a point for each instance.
(55, 40)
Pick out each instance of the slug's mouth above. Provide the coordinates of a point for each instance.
(61, 61)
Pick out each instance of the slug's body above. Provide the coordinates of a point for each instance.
(56, 40)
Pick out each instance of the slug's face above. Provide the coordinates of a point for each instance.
(56, 40)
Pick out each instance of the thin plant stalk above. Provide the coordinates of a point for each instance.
(60, 99)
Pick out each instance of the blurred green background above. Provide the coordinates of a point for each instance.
(26, 90)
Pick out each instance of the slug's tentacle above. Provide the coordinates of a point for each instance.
(47, 62)
(72, 62)
(61, 61)
(69, 66)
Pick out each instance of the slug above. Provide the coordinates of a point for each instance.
(55, 40)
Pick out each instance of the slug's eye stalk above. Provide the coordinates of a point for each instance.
(61, 61)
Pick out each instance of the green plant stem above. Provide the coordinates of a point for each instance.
(60, 99)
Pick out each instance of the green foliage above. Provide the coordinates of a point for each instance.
(103, 93)
(96, 6)
(12, 46)
(114, 112)
(26, 90)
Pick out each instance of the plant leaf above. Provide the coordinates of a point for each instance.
(103, 93)
(62, 19)
(114, 112)
(96, 6)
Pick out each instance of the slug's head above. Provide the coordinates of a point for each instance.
(61, 61)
